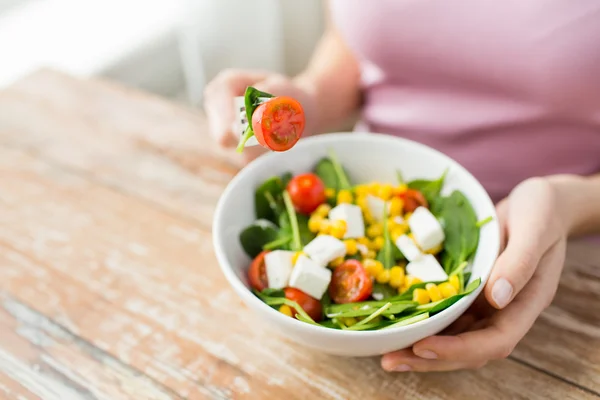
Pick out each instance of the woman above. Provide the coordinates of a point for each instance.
(511, 90)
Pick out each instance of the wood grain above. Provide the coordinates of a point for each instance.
(106, 201)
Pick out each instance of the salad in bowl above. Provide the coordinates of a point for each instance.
(356, 244)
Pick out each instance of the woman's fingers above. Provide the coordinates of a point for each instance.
(405, 360)
(530, 209)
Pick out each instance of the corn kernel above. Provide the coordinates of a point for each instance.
(349, 321)
(344, 196)
(338, 229)
(286, 310)
(296, 256)
(368, 217)
(397, 272)
(374, 230)
(435, 250)
(385, 191)
(391, 224)
(396, 206)
(400, 189)
(374, 188)
(420, 296)
(398, 231)
(410, 280)
(351, 247)
(364, 241)
(330, 193)
(402, 288)
(325, 227)
(361, 201)
(378, 243)
(383, 276)
(322, 210)
(447, 289)
(371, 254)
(454, 281)
(433, 291)
(373, 267)
(336, 262)
(314, 223)
(362, 190)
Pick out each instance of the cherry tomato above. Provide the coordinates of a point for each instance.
(413, 199)
(307, 192)
(309, 304)
(350, 283)
(257, 274)
(278, 123)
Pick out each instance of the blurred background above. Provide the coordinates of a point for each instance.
(168, 47)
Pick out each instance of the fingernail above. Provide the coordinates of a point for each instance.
(502, 292)
(402, 368)
(430, 355)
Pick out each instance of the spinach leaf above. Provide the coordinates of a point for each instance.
(389, 253)
(441, 305)
(305, 234)
(382, 291)
(266, 204)
(252, 99)
(410, 319)
(293, 220)
(460, 228)
(430, 188)
(367, 308)
(325, 170)
(281, 243)
(285, 179)
(272, 293)
(255, 236)
(342, 176)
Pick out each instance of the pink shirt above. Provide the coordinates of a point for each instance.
(510, 89)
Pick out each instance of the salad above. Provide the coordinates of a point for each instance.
(359, 256)
(277, 123)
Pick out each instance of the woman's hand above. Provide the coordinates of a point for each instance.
(219, 103)
(522, 284)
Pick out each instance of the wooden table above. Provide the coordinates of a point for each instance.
(110, 288)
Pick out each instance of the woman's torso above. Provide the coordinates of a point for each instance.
(509, 89)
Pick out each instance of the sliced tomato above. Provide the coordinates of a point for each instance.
(309, 304)
(278, 123)
(350, 283)
(413, 199)
(307, 192)
(257, 274)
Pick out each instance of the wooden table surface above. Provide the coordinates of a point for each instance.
(109, 286)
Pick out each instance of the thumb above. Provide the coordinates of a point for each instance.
(529, 233)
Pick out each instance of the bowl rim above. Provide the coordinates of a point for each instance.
(293, 323)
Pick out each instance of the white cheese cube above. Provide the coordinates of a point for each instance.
(325, 248)
(408, 248)
(427, 269)
(310, 277)
(425, 228)
(353, 217)
(278, 265)
(376, 207)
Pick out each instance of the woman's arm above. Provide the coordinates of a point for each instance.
(332, 78)
(578, 201)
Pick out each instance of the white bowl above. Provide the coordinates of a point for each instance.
(367, 157)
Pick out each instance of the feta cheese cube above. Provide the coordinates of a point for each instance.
(352, 215)
(310, 277)
(425, 228)
(278, 265)
(325, 248)
(376, 207)
(427, 269)
(408, 248)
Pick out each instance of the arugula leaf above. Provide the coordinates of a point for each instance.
(252, 99)
(293, 218)
(364, 308)
(430, 188)
(434, 308)
(266, 205)
(257, 235)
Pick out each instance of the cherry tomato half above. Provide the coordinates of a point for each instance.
(257, 274)
(278, 123)
(413, 199)
(309, 304)
(350, 283)
(307, 192)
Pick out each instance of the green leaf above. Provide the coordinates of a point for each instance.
(484, 221)
(293, 218)
(400, 177)
(430, 188)
(266, 199)
(285, 179)
(252, 99)
(257, 235)
(408, 320)
(387, 255)
(382, 291)
(305, 234)
(436, 307)
(325, 170)
(374, 315)
(364, 308)
(272, 293)
(281, 243)
(342, 177)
